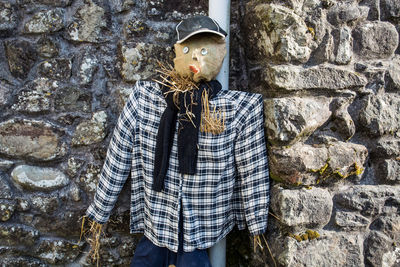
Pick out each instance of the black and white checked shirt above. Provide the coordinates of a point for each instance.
(231, 185)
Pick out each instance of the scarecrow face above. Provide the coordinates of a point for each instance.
(200, 57)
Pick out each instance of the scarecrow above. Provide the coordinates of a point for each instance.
(196, 153)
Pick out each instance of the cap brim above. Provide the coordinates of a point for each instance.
(200, 31)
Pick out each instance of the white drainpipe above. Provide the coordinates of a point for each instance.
(220, 10)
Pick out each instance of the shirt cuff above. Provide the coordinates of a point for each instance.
(97, 215)
(258, 225)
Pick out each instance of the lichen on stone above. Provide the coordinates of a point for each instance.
(38, 178)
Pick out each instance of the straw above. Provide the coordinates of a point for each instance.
(212, 120)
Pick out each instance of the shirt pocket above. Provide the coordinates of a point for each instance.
(216, 147)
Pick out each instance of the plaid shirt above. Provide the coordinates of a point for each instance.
(231, 185)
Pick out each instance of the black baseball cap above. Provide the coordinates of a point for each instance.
(195, 25)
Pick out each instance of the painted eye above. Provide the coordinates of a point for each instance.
(204, 51)
(185, 50)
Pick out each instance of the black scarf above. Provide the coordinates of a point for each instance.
(187, 134)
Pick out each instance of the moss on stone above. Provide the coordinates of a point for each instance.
(326, 172)
(311, 30)
(312, 234)
(276, 178)
(308, 235)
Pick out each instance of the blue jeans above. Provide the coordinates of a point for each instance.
(149, 255)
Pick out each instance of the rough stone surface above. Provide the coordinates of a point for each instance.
(21, 56)
(17, 234)
(37, 178)
(389, 171)
(332, 249)
(6, 210)
(30, 139)
(5, 190)
(351, 221)
(135, 28)
(278, 33)
(90, 177)
(23, 204)
(88, 24)
(74, 164)
(390, 9)
(47, 47)
(58, 251)
(66, 224)
(45, 204)
(55, 3)
(380, 251)
(21, 261)
(128, 245)
(379, 115)
(388, 224)
(342, 122)
(307, 164)
(87, 68)
(121, 5)
(289, 119)
(5, 91)
(72, 99)
(92, 131)
(374, 9)
(75, 193)
(294, 78)
(345, 48)
(45, 21)
(56, 68)
(387, 147)
(8, 17)
(36, 96)
(343, 13)
(376, 80)
(305, 207)
(121, 94)
(392, 75)
(325, 50)
(138, 61)
(370, 200)
(347, 159)
(375, 40)
(5, 165)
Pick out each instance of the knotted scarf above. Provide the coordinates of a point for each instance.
(187, 133)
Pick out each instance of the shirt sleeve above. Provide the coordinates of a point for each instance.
(252, 167)
(117, 164)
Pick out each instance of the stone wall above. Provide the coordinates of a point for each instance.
(329, 71)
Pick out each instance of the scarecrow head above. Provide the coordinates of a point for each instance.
(200, 49)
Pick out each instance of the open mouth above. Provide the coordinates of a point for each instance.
(194, 69)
